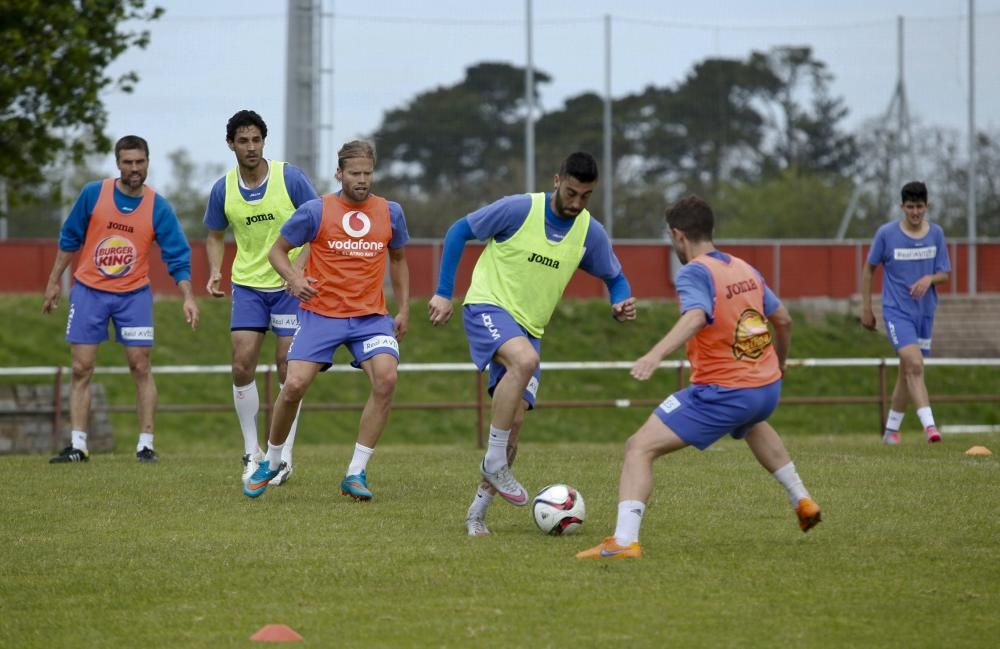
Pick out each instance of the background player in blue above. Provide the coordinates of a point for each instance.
(255, 204)
(536, 242)
(914, 257)
(114, 223)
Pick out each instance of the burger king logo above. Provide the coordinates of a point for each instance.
(356, 223)
(752, 336)
(115, 256)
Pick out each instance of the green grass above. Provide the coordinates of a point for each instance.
(578, 331)
(116, 554)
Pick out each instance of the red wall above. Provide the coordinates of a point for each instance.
(792, 269)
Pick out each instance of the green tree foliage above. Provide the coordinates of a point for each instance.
(790, 203)
(52, 72)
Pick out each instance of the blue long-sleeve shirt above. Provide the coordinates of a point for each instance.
(502, 219)
(174, 248)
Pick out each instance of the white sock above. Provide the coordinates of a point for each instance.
(894, 421)
(629, 519)
(79, 439)
(480, 503)
(360, 460)
(247, 402)
(926, 418)
(496, 451)
(273, 456)
(790, 480)
(286, 453)
(145, 441)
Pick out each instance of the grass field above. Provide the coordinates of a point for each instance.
(116, 554)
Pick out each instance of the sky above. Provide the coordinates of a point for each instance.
(206, 60)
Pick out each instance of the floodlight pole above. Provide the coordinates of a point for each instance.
(609, 214)
(529, 100)
(971, 207)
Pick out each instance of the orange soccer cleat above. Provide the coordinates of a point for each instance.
(609, 549)
(808, 513)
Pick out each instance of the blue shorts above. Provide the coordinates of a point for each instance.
(90, 310)
(256, 310)
(319, 336)
(702, 414)
(904, 330)
(487, 328)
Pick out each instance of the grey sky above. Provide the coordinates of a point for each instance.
(210, 59)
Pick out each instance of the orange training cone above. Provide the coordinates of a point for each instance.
(276, 633)
(979, 450)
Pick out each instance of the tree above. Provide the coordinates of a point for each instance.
(461, 134)
(52, 72)
(808, 134)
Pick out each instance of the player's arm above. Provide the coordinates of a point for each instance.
(215, 249)
(781, 320)
(298, 284)
(689, 324)
(867, 315)
(53, 288)
(440, 308)
(399, 276)
(71, 237)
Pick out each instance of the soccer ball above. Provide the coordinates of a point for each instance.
(558, 509)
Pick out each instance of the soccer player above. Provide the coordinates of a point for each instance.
(914, 257)
(736, 370)
(342, 303)
(535, 244)
(114, 224)
(255, 197)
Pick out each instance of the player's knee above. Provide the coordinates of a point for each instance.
(294, 389)
(82, 370)
(384, 382)
(140, 367)
(525, 364)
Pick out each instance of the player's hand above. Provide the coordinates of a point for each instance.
(302, 287)
(191, 313)
(439, 309)
(919, 288)
(51, 301)
(213, 285)
(868, 319)
(402, 322)
(624, 310)
(643, 368)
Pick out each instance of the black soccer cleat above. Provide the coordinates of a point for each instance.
(147, 456)
(70, 454)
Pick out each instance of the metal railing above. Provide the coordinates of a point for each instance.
(479, 404)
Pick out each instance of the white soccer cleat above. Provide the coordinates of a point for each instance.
(250, 463)
(476, 526)
(505, 484)
(283, 475)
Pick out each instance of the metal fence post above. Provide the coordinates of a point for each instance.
(268, 401)
(57, 408)
(480, 409)
(882, 395)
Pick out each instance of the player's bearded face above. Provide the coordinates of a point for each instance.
(356, 178)
(571, 196)
(678, 245)
(248, 145)
(133, 165)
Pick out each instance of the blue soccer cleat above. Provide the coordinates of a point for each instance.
(258, 482)
(356, 486)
